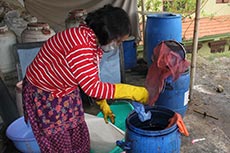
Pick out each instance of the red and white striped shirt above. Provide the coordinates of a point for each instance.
(67, 60)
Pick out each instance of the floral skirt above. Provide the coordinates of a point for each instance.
(58, 123)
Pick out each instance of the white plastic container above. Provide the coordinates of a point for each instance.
(7, 40)
(75, 18)
(37, 32)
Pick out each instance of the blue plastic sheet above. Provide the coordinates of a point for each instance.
(110, 67)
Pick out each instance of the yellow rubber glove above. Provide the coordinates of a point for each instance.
(106, 111)
(125, 91)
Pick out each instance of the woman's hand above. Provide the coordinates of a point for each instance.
(135, 93)
(106, 111)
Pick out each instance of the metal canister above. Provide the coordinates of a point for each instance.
(7, 40)
(75, 18)
(37, 32)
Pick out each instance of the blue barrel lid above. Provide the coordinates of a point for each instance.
(164, 15)
(130, 38)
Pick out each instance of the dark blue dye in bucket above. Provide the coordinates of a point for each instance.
(175, 95)
(130, 53)
(159, 27)
(152, 136)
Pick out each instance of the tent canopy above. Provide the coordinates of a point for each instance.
(54, 12)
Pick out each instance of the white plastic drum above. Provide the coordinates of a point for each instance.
(7, 40)
(37, 32)
(19, 98)
(75, 18)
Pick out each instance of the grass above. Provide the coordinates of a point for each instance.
(204, 52)
(212, 56)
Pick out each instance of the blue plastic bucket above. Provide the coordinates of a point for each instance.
(151, 136)
(130, 53)
(175, 95)
(22, 136)
(159, 27)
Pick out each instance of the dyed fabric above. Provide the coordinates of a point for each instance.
(166, 62)
(58, 123)
(67, 60)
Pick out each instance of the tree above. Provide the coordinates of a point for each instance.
(184, 7)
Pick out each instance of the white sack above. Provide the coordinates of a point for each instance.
(103, 136)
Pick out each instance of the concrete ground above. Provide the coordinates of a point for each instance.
(213, 127)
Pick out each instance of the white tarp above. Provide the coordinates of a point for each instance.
(103, 136)
(54, 12)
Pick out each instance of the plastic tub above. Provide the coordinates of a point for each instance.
(121, 109)
(22, 136)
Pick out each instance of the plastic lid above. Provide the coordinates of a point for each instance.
(130, 38)
(176, 47)
(77, 13)
(164, 15)
(121, 109)
(37, 26)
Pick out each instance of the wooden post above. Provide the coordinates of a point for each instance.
(122, 63)
(143, 19)
(195, 45)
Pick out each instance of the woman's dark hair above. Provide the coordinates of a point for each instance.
(109, 23)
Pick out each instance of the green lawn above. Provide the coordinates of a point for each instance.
(204, 52)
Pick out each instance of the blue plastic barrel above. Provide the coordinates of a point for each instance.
(175, 94)
(159, 27)
(151, 136)
(130, 53)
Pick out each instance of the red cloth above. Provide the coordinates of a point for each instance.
(165, 63)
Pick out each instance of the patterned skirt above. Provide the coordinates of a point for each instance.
(58, 123)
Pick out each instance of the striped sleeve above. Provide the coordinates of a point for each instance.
(67, 60)
(82, 64)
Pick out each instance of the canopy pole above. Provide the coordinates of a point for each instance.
(195, 45)
(143, 19)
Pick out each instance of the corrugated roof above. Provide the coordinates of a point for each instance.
(208, 26)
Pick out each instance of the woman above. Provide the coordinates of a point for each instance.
(67, 61)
